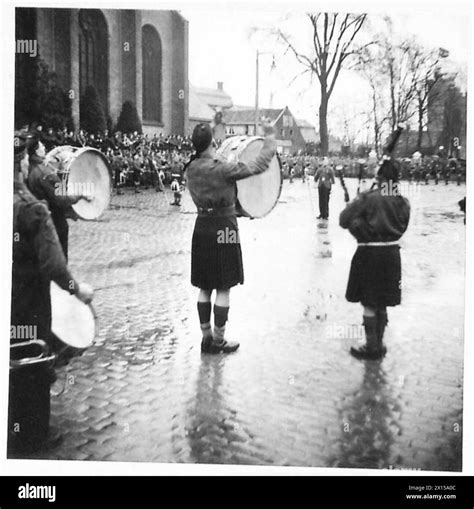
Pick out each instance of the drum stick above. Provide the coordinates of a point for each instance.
(107, 287)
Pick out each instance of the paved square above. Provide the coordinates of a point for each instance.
(291, 395)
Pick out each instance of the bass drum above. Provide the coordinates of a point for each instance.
(256, 195)
(72, 322)
(85, 171)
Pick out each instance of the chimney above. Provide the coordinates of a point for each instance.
(220, 86)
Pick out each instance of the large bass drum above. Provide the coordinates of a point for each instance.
(72, 322)
(83, 170)
(256, 195)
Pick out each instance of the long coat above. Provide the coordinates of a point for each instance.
(37, 260)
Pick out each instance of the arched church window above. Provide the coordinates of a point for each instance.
(93, 53)
(151, 74)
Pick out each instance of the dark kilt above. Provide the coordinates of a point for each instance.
(375, 276)
(216, 265)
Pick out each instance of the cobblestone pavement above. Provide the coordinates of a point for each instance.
(291, 395)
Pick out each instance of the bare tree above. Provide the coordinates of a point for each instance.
(370, 64)
(426, 74)
(333, 43)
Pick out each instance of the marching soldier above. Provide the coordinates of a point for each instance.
(377, 219)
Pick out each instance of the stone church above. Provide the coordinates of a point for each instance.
(135, 55)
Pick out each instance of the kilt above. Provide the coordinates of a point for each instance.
(375, 276)
(216, 256)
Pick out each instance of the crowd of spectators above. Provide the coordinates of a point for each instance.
(135, 159)
(141, 160)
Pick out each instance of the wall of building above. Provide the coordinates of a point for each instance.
(57, 32)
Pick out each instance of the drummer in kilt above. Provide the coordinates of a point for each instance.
(377, 219)
(216, 256)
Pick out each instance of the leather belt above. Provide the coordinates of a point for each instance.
(217, 211)
(378, 244)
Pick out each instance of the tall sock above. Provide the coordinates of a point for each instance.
(370, 326)
(382, 321)
(204, 311)
(220, 318)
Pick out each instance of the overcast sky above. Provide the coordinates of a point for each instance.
(221, 48)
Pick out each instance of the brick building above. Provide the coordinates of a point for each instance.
(136, 55)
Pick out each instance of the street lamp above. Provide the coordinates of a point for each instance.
(273, 66)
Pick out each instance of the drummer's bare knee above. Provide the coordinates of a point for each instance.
(223, 297)
(369, 311)
(204, 295)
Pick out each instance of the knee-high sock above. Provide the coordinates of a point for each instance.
(370, 326)
(204, 311)
(220, 318)
(382, 321)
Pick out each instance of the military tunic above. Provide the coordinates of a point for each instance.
(377, 219)
(37, 260)
(46, 185)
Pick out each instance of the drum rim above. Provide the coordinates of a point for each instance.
(246, 140)
(96, 323)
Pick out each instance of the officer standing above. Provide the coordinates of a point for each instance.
(325, 176)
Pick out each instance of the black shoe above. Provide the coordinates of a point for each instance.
(223, 346)
(320, 217)
(363, 353)
(205, 344)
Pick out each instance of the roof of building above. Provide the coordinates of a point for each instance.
(198, 108)
(304, 123)
(247, 115)
(214, 97)
(308, 131)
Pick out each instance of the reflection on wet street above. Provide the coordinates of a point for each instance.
(291, 395)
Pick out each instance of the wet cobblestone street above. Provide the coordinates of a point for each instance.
(291, 395)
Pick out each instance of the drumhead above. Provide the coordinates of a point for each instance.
(257, 195)
(85, 171)
(89, 171)
(73, 322)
